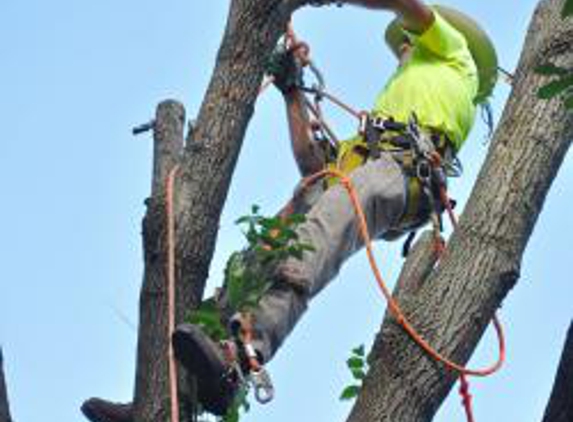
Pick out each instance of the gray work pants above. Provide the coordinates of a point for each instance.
(332, 229)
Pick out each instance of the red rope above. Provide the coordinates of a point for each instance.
(395, 309)
(171, 292)
(466, 397)
(464, 382)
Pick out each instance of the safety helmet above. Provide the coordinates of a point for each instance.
(479, 43)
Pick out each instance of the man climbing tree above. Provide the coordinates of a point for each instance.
(410, 124)
(397, 370)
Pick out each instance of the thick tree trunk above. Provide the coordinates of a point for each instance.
(4, 407)
(151, 387)
(452, 308)
(560, 406)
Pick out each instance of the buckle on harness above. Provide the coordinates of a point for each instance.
(261, 381)
(371, 135)
(255, 373)
(424, 171)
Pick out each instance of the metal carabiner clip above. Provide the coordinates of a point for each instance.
(424, 171)
(264, 390)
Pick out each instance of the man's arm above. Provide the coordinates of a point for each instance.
(416, 15)
(309, 157)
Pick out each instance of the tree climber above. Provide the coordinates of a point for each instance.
(447, 65)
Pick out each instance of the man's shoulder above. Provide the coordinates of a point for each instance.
(443, 40)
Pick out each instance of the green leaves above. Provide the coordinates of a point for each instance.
(350, 392)
(549, 69)
(358, 367)
(236, 277)
(561, 85)
(555, 88)
(274, 238)
(208, 317)
(567, 9)
(240, 402)
(359, 351)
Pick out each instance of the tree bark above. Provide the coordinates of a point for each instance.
(452, 308)
(560, 406)
(151, 383)
(4, 405)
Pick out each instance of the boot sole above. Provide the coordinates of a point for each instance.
(203, 359)
(92, 410)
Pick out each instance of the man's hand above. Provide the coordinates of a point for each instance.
(416, 15)
(286, 69)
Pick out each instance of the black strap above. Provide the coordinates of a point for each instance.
(408, 244)
(372, 138)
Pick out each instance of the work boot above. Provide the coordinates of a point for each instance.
(217, 380)
(98, 410)
(286, 70)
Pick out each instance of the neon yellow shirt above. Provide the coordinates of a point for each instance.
(439, 83)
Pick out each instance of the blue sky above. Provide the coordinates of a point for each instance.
(77, 75)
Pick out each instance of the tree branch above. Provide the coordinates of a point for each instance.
(151, 372)
(560, 406)
(454, 306)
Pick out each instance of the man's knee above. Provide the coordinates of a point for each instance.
(293, 277)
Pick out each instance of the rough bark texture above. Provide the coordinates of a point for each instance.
(151, 385)
(4, 407)
(452, 308)
(560, 406)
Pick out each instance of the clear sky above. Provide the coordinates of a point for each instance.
(77, 75)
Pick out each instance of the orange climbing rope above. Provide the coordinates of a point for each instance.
(171, 292)
(394, 307)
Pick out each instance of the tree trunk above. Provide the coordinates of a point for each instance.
(452, 308)
(151, 383)
(4, 407)
(560, 406)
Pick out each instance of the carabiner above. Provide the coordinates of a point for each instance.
(264, 390)
(424, 171)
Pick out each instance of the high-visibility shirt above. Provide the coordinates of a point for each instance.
(439, 83)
